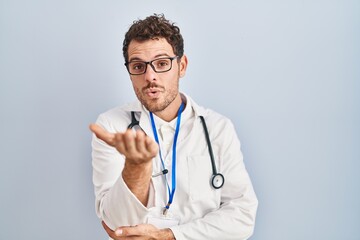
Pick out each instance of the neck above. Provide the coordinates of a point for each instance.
(171, 111)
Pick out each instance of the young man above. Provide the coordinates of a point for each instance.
(174, 178)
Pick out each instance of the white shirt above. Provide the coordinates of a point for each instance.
(203, 212)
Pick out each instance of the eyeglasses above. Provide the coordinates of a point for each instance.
(159, 65)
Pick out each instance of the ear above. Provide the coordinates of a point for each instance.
(183, 65)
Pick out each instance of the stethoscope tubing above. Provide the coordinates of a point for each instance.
(217, 179)
(209, 145)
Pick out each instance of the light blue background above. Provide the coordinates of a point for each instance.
(286, 72)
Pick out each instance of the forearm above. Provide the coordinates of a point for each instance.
(137, 177)
(116, 203)
(120, 207)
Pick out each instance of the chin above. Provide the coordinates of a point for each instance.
(154, 105)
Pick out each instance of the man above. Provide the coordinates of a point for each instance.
(159, 182)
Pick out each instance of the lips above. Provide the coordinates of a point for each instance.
(152, 92)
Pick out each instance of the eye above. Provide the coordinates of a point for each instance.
(137, 66)
(162, 63)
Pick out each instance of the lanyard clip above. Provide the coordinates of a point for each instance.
(166, 208)
(163, 172)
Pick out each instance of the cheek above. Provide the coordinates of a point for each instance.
(137, 83)
(174, 83)
(172, 80)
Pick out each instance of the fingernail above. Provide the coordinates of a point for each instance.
(118, 232)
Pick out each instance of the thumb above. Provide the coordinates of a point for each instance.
(136, 231)
(102, 134)
(129, 231)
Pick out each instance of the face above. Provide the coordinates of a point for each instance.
(156, 91)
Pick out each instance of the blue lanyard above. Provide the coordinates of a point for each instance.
(173, 172)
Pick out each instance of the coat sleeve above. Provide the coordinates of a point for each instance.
(115, 204)
(235, 218)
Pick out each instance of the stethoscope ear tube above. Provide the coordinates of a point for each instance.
(217, 179)
(134, 122)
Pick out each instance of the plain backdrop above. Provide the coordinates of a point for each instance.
(286, 72)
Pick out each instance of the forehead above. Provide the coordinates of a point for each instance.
(149, 49)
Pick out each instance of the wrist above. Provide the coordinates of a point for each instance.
(137, 174)
(166, 234)
(137, 171)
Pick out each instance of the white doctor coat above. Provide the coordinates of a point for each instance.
(203, 212)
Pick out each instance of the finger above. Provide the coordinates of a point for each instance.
(140, 142)
(129, 141)
(143, 231)
(131, 231)
(151, 146)
(102, 134)
(120, 143)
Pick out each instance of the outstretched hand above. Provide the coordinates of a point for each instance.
(137, 147)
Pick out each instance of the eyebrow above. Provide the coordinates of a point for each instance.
(155, 57)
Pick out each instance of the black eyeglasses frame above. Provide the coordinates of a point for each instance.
(150, 63)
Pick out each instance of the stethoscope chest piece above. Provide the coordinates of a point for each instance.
(217, 180)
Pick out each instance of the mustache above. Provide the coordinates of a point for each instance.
(153, 85)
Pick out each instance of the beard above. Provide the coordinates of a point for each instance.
(157, 104)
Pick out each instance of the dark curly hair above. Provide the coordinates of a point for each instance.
(152, 27)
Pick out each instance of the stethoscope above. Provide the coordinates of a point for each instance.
(217, 179)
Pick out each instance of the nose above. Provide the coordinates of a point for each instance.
(150, 74)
